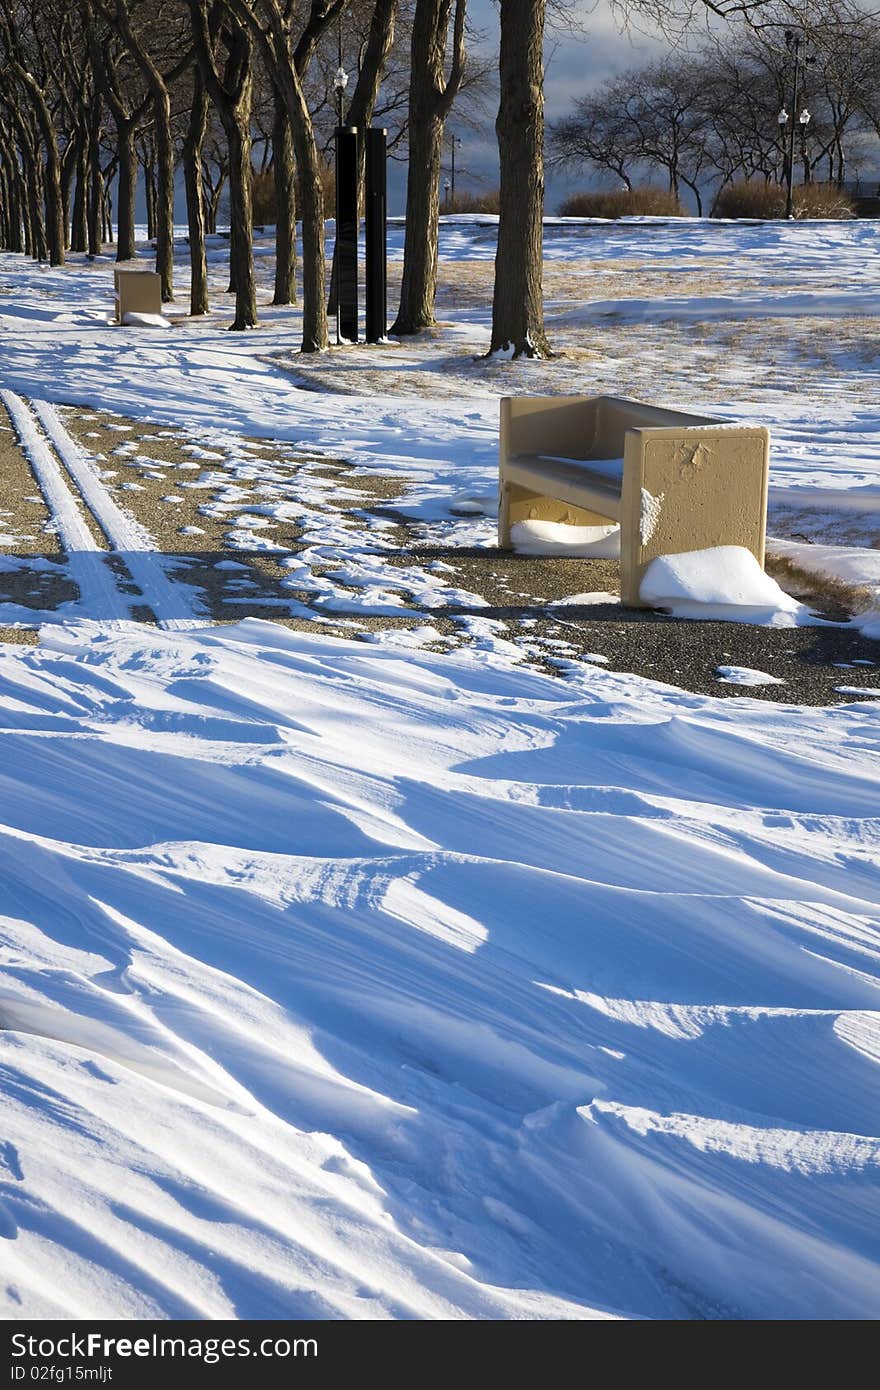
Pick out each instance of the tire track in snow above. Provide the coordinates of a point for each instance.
(87, 562)
(172, 606)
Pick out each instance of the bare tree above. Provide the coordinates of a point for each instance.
(287, 57)
(431, 94)
(147, 45)
(230, 89)
(518, 305)
(26, 62)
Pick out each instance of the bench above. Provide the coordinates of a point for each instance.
(136, 291)
(674, 482)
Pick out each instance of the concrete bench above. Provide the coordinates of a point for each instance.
(136, 291)
(674, 482)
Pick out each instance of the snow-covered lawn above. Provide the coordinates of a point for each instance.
(344, 978)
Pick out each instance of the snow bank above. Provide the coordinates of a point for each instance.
(346, 981)
(725, 582)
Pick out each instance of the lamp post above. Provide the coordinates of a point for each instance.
(456, 144)
(340, 82)
(794, 42)
(345, 252)
(446, 189)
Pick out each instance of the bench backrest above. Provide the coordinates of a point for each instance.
(581, 427)
(615, 415)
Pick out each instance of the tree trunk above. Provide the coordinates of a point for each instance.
(79, 226)
(315, 334)
(107, 204)
(518, 306)
(231, 92)
(5, 207)
(95, 213)
(150, 199)
(430, 98)
(165, 191)
(13, 190)
(284, 174)
(418, 289)
(125, 194)
(275, 43)
(214, 203)
(195, 203)
(52, 188)
(35, 223)
(69, 161)
(241, 249)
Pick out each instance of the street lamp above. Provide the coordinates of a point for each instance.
(340, 82)
(446, 189)
(795, 42)
(456, 144)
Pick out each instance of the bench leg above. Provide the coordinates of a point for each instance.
(518, 503)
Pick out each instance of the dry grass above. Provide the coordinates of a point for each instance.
(623, 202)
(823, 592)
(756, 199)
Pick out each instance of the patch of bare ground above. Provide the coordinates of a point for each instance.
(530, 596)
(25, 522)
(191, 504)
(522, 594)
(39, 580)
(202, 510)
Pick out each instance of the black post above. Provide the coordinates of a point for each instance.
(376, 229)
(346, 234)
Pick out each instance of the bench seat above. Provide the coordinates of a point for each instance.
(592, 483)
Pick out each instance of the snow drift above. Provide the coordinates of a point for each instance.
(345, 982)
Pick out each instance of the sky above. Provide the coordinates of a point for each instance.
(574, 63)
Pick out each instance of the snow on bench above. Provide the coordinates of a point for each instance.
(674, 482)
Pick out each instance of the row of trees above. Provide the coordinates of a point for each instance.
(93, 90)
(707, 117)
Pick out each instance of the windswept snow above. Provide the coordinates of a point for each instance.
(349, 979)
(344, 981)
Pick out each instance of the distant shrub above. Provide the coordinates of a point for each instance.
(265, 204)
(766, 200)
(750, 198)
(473, 202)
(624, 202)
(822, 200)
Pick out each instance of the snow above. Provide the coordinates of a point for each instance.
(724, 582)
(131, 319)
(650, 511)
(557, 538)
(536, 1020)
(345, 978)
(745, 675)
